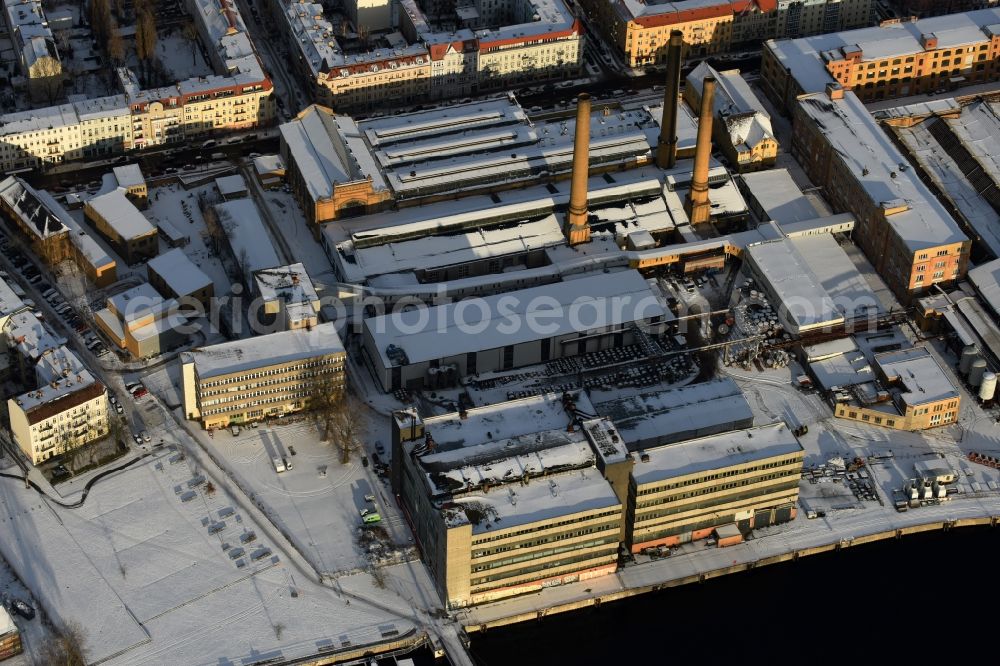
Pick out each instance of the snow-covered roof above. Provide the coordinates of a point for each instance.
(804, 303)
(882, 171)
(247, 235)
(265, 164)
(327, 151)
(978, 127)
(951, 180)
(431, 251)
(922, 378)
(129, 175)
(231, 185)
(121, 214)
(25, 202)
(29, 336)
(778, 195)
(80, 236)
(850, 292)
(666, 416)
(139, 302)
(289, 284)
(986, 278)
(264, 350)
(747, 121)
(715, 452)
(180, 274)
(805, 56)
(564, 494)
(573, 306)
(9, 301)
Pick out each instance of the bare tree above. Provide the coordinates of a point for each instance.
(145, 39)
(339, 415)
(100, 17)
(190, 33)
(116, 47)
(47, 73)
(64, 648)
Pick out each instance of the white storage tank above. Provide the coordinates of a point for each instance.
(969, 355)
(977, 371)
(988, 387)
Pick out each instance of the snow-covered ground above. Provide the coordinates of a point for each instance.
(181, 58)
(169, 591)
(319, 513)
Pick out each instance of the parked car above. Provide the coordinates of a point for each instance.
(145, 436)
(22, 608)
(140, 393)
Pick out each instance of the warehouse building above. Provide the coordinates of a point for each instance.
(177, 277)
(117, 219)
(502, 332)
(251, 247)
(490, 480)
(685, 491)
(265, 376)
(908, 236)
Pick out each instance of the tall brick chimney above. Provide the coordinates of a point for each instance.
(698, 207)
(666, 147)
(577, 227)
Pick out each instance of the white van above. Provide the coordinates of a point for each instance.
(279, 465)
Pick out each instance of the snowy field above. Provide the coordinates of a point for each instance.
(180, 57)
(144, 549)
(320, 513)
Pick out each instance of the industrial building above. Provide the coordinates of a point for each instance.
(502, 332)
(248, 241)
(519, 476)
(896, 59)
(957, 148)
(339, 167)
(639, 31)
(879, 378)
(288, 298)
(142, 322)
(117, 219)
(742, 128)
(265, 376)
(684, 491)
(910, 238)
(176, 277)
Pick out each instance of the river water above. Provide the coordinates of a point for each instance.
(926, 598)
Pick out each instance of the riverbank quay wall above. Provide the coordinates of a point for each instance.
(694, 567)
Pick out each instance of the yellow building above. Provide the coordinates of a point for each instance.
(920, 395)
(261, 377)
(117, 219)
(177, 277)
(129, 177)
(684, 491)
(507, 499)
(142, 322)
(897, 59)
(910, 238)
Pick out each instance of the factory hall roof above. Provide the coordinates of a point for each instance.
(513, 318)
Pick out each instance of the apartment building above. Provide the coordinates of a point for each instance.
(639, 31)
(897, 58)
(65, 406)
(685, 491)
(909, 237)
(261, 377)
(35, 48)
(117, 219)
(288, 298)
(411, 59)
(507, 499)
(924, 8)
(742, 128)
